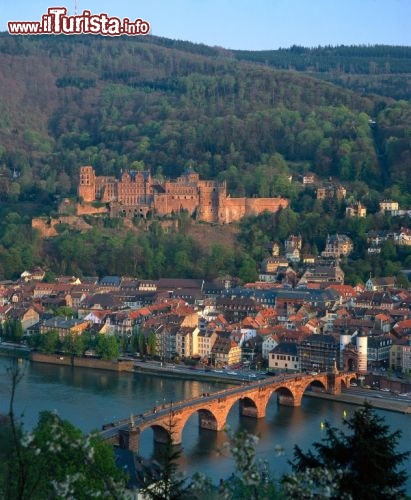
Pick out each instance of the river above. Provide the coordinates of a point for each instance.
(89, 398)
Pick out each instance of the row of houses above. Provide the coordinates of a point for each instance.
(376, 239)
(222, 323)
(277, 265)
(336, 246)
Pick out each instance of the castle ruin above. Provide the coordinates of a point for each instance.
(136, 194)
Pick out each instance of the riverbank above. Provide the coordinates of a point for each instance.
(78, 362)
(156, 369)
(179, 372)
(360, 399)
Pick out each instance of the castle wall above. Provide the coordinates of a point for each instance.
(165, 204)
(236, 208)
(84, 209)
(133, 195)
(47, 227)
(255, 206)
(129, 211)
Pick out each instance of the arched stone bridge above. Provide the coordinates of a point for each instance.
(169, 420)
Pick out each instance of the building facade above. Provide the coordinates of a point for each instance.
(136, 194)
(400, 356)
(337, 245)
(284, 357)
(319, 353)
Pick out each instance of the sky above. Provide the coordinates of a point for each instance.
(246, 24)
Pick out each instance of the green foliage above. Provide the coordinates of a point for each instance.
(169, 104)
(317, 483)
(170, 484)
(55, 460)
(378, 69)
(252, 479)
(74, 344)
(12, 330)
(107, 347)
(142, 102)
(141, 344)
(49, 342)
(366, 457)
(151, 344)
(64, 312)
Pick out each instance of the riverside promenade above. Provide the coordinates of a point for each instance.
(375, 399)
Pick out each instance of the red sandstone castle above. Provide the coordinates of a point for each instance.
(136, 193)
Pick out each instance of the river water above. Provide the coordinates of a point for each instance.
(89, 398)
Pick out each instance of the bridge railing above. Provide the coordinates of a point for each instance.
(177, 405)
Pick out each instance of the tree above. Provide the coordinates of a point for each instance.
(13, 330)
(366, 456)
(74, 344)
(169, 483)
(142, 344)
(64, 311)
(107, 347)
(50, 341)
(151, 344)
(252, 480)
(55, 460)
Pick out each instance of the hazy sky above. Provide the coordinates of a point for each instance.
(247, 24)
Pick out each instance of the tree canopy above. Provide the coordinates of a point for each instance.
(366, 456)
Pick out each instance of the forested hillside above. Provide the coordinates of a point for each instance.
(167, 105)
(379, 69)
(115, 104)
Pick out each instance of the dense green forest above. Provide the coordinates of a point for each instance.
(253, 119)
(125, 103)
(379, 69)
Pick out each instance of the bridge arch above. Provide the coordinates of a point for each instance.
(169, 421)
(209, 417)
(161, 434)
(250, 408)
(285, 396)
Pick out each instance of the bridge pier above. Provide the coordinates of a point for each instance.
(334, 384)
(129, 439)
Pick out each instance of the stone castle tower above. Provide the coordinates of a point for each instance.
(212, 196)
(87, 184)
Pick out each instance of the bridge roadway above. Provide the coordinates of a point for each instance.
(168, 420)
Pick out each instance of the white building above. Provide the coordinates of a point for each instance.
(284, 357)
